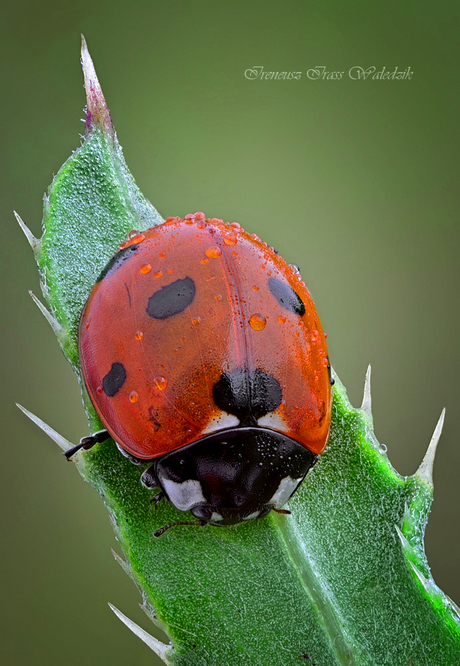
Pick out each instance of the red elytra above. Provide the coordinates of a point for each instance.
(185, 304)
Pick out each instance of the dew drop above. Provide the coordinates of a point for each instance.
(314, 336)
(160, 382)
(235, 254)
(158, 274)
(170, 270)
(230, 239)
(138, 238)
(99, 390)
(162, 255)
(325, 361)
(200, 216)
(256, 288)
(218, 297)
(204, 261)
(145, 268)
(213, 252)
(282, 320)
(201, 225)
(235, 225)
(139, 335)
(196, 321)
(133, 396)
(257, 322)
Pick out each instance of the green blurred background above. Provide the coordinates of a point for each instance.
(353, 180)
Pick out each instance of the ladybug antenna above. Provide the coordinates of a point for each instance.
(162, 530)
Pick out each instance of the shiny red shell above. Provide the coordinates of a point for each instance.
(164, 368)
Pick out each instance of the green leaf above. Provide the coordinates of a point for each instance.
(343, 580)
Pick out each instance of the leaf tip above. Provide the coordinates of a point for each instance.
(425, 471)
(366, 406)
(159, 648)
(33, 242)
(97, 112)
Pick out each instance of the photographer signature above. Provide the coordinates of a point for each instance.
(321, 73)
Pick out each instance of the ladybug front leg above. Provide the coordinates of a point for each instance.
(87, 442)
(157, 498)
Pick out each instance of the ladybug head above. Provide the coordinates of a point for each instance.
(232, 475)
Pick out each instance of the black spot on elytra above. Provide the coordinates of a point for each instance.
(114, 379)
(117, 260)
(172, 299)
(247, 396)
(286, 296)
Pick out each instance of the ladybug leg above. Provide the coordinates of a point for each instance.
(284, 511)
(157, 498)
(87, 442)
(162, 530)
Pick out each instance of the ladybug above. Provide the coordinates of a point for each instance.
(203, 354)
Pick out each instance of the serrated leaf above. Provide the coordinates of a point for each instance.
(343, 580)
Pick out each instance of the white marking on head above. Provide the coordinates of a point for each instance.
(252, 516)
(215, 517)
(184, 496)
(274, 421)
(220, 422)
(284, 492)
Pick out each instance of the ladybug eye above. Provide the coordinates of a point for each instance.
(203, 512)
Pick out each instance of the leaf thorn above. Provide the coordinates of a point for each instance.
(97, 112)
(124, 565)
(159, 648)
(61, 441)
(50, 318)
(33, 242)
(405, 543)
(424, 581)
(425, 471)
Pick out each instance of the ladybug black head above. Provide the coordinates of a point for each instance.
(232, 475)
